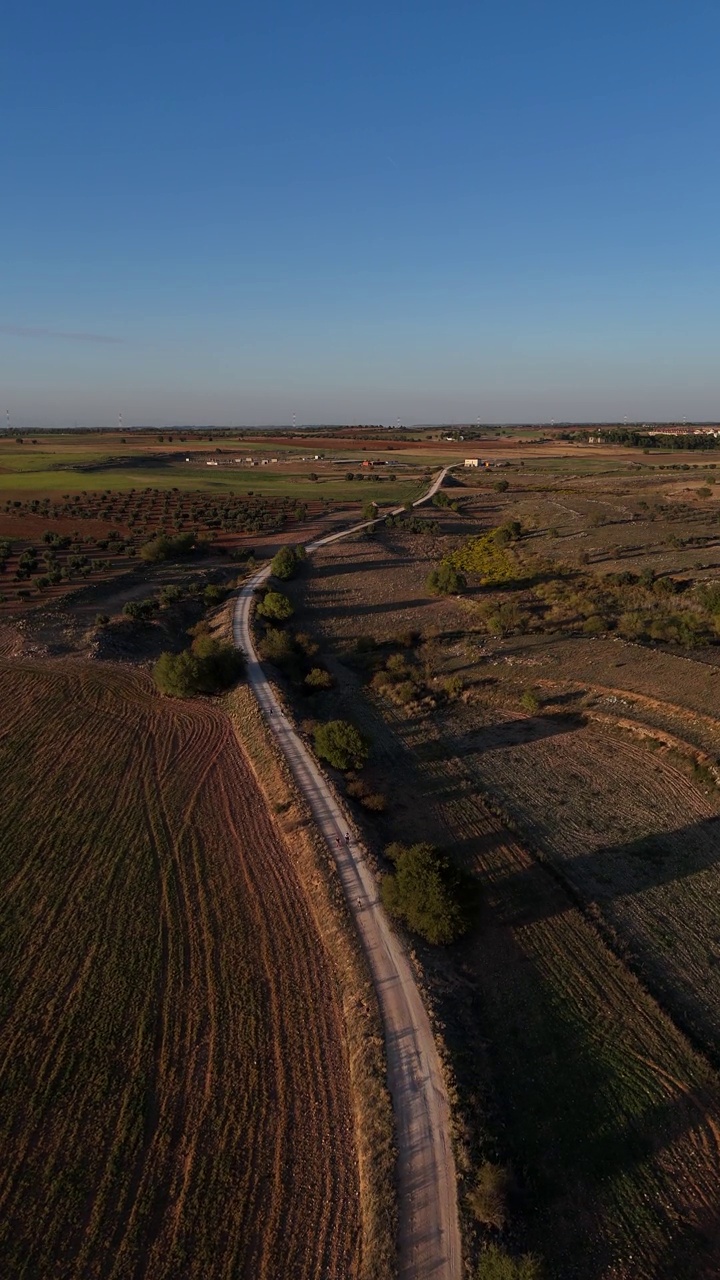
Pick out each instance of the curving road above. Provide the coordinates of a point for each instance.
(429, 1234)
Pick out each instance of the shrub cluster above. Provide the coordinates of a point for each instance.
(445, 580)
(487, 556)
(358, 789)
(637, 606)
(415, 524)
(442, 500)
(166, 548)
(296, 656)
(319, 678)
(405, 681)
(208, 666)
(497, 1264)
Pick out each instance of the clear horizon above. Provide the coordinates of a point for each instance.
(433, 212)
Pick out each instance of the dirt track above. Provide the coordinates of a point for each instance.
(429, 1244)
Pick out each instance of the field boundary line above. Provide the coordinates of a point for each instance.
(372, 1107)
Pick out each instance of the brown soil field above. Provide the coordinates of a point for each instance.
(567, 1011)
(173, 1062)
(30, 528)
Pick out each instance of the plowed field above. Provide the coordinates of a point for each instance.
(175, 1095)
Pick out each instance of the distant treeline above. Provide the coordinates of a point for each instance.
(643, 440)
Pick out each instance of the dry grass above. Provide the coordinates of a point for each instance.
(609, 1116)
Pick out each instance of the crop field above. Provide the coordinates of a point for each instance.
(79, 463)
(582, 1019)
(72, 510)
(176, 1096)
(610, 1116)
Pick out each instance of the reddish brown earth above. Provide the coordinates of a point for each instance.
(176, 1087)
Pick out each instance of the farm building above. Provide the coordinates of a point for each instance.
(472, 462)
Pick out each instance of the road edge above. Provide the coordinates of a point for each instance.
(418, 1070)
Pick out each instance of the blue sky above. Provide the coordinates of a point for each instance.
(432, 211)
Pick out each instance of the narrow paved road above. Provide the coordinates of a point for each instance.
(429, 1243)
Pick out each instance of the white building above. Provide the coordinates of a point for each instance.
(472, 462)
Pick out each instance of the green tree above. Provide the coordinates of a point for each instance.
(425, 892)
(275, 607)
(221, 664)
(170, 594)
(341, 744)
(176, 674)
(510, 531)
(284, 564)
(141, 609)
(445, 580)
(369, 510)
(213, 594)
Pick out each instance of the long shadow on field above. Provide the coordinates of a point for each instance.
(338, 569)
(588, 1121)
(617, 871)
(132, 462)
(357, 610)
(528, 728)
(691, 1254)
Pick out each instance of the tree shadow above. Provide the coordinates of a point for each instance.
(578, 1130)
(358, 610)
(622, 870)
(339, 570)
(563, 699)
(511, 733)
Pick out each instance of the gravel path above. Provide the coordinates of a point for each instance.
(429, 1240)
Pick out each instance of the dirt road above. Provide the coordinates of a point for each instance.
(429, 1242)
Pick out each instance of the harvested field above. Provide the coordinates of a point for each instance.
(176, 1085)
(631, 831)
(608, 1115)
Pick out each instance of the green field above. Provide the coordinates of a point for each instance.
(162, 475)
